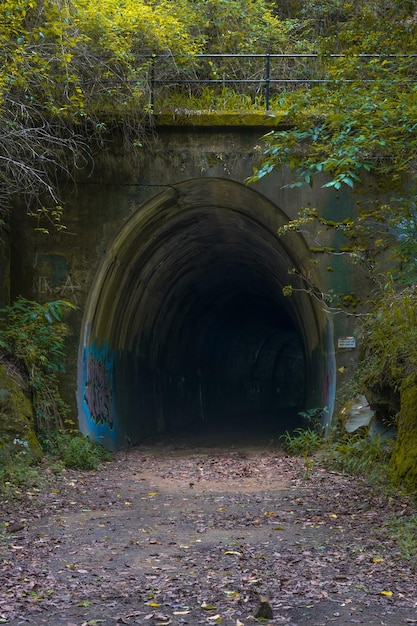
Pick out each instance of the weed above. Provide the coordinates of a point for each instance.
(74, 451)
(359, 454)
(302, 442)
(17, 472)
(404, 530)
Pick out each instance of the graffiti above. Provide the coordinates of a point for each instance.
(98, 394)
(67, 289)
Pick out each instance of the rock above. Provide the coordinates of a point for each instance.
(403, 463)
(264, 610)
(16, 418)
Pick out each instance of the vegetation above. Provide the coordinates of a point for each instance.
(361, 453)
(34, 334)
(357, 130)
(71, 73)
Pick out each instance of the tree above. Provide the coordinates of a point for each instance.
(69, 72)
(359, 129)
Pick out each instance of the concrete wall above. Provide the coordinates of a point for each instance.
(197, 175)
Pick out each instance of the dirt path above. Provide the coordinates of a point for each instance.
(196, 536)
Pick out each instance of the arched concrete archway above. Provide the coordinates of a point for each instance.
(186, 321)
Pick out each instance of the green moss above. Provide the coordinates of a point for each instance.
(403, 464)
(322, 249)
(214, 118)
(16, 417)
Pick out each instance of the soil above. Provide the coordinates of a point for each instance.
(188, 534)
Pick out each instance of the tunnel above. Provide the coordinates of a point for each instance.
(186, 325)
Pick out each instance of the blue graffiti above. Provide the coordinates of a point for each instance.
(98, 388)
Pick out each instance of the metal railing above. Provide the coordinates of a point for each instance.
(262, 73)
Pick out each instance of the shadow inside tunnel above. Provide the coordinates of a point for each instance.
(239, 433)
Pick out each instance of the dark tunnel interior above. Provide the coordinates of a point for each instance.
(197, 332)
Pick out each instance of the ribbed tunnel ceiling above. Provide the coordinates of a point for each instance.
(188, 313)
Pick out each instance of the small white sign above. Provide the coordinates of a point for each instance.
(346, 342)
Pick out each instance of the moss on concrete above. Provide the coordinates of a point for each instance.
(16, 417)
(404, 457)
(218, 118)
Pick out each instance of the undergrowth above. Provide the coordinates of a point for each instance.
(359, 454)
(20, 473)
(74, 451)
(404, 529)
(33, 335)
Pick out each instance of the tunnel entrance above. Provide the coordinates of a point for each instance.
(186, 324)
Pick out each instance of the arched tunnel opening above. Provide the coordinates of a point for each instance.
(187, 326)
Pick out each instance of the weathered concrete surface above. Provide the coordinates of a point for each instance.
(178, 272)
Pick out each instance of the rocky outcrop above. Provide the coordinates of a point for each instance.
(16, 417)
(404, 456)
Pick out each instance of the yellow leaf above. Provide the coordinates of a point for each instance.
(377, 559)
(208, 607)
(333, 515)
(386, 593)
(152, 494)
(154, 604)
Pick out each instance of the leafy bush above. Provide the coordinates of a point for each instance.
(74, 451)
(359, 454)
(389, 339)
(19, 473)
(34, 334)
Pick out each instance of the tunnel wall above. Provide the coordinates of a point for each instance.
(194, 257)
(183, 198)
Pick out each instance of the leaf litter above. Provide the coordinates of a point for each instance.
(183, 536)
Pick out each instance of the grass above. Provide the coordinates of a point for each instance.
(20, 474)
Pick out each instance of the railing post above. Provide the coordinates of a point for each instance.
(153, 82)
(267, 80)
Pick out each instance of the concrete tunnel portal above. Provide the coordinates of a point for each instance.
(186, 324)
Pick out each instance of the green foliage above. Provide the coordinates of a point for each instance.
(74, 450)
(359, 454)
(71, 70)
(20, 474)
(357, 127)
(302, 441)
(17, 472)
(389, 340)
(34, 333)
(404, 529)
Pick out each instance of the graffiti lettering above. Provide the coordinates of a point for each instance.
(41, 285)
(98, 393)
